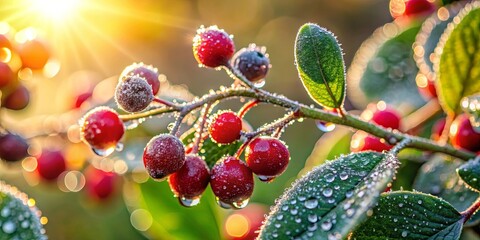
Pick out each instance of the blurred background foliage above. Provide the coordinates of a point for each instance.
(98, 38)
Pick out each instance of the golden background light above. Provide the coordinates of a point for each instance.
(54, 9)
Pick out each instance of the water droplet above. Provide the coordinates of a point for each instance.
(325, 126)
(260, 83)
(327, 192)
(343, 176)
(349, 193)
(327, 225)
(241, 204)
(329, 177)
(400, 205)
(103, 152)
(298, 220)
(119, 147)
(189, 202)
(294, 211)
(350, 212)
(5, 212)
(265, 178)
(312, 227)
(170, 126)
(9, 227)
(301, 198)
(311, 203)
(404, 234)
(312, 218)
(279, 217)
(277, 225)
(25, 224)
(224, 204)
(420, 202)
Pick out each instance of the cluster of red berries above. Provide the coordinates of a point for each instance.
(382, 115)
(166, 156)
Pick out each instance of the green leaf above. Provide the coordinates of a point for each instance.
(429, 36)
(329, 146)
(18, 219)
(470, 173)
(458, 70)
(330, 200)
(170, 220)
(438, 177)
(411, 215)
(383, 68)
(210, 150)
(320, 65)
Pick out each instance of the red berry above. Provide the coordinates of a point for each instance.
(245, 224)
(267, 157)
(13, 147)
(382, 115)
(133, 94)
(18, 99)
(146, 71)
(189, 182)
(426, 87)
(362, 141)
(437, 129)
(415, 7)
(231, 182)
(463, 135)
(81, 99)
(6, 74)
(99, 184)
(102, 129)
(163, 155)
(252, 62)
(213, 47)
(50, 164)
(34, 54)
(225, 127)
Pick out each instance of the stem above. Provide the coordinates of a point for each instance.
(201, 127)
(446, 130)
(468, 213)
(420, 116)
(163, 101)
(302, 110)
(280, 123)
(401, 145)
(249, 105)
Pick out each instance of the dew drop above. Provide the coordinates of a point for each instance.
(265, 178)
(224, 204)
(5, 212)
(279, 217)
(298, 220)
(327, 192)
(343, 176)
(311, 203)
(103, 152)
(277, 225)
(312, 218)
(9, 227)
(404, 234)
(312, 227)
(119, 147)
(325, 126)
(189, 202)
(25, 224)
(329, 177)
(420, 202)
(294, 211)
(349, 193)
(327, 225)
(241, 204)
(260, 83)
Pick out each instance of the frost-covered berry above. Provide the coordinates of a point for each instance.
(212, 47)
(18, 99)
(267, 157)
(163, 155)
(252, 62)
(13, 147)
(102, 129)
(133, 94)
(382, 115)
(225, 127)
(231, 182)
(189, 182)
(148, 72)
(50, 164)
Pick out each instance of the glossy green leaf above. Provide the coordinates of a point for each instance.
(169, 219)
(18, 220)
(383, 68)
(411, 215)
(429, 36)
(458, 70)
(329, 201)
(470, 173)
(438, 177)
(320, 65)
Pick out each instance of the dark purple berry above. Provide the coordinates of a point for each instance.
(133, 94)
(252, 62)
(163, 155)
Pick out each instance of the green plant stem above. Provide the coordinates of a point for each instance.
(304, 111)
